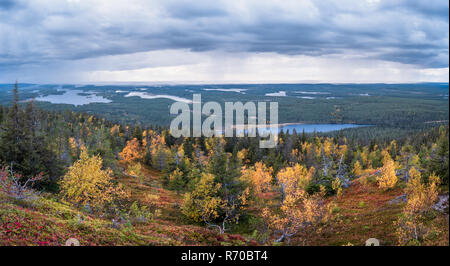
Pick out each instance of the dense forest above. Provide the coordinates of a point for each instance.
(397, 108)
(94, 174)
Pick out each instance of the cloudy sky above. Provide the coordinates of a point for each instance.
(254, 41)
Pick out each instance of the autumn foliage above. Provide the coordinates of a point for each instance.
(132, 151)
(138, 185)
(388, 178)
(202, 204)
(299, 210)
(412, 225)
(87, 183)
(260, 177)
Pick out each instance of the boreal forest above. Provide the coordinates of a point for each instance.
(77, 174)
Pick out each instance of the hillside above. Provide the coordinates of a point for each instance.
(45, 221)
(362, 213)
(359, 213)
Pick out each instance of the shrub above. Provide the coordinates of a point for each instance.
(87, 184)
(14, 185)
(412, 224)
(135, 170)
(387, 179)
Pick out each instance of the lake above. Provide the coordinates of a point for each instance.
(145, 95)
(75, 97)
(310, 128)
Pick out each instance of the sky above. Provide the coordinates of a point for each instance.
(224, 41)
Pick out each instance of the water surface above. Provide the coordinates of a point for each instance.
(75, 97)
(310, 128)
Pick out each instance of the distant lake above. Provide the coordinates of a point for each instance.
(310, 128)
(75, 97)
(145, 95)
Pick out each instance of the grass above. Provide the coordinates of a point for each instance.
(361, 204)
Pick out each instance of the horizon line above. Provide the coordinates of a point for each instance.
(171, 83)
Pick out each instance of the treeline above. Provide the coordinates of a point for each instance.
(34, 141)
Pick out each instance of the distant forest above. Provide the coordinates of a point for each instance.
(397, 106)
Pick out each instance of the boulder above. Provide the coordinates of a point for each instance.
(399, 199)
(442, 204)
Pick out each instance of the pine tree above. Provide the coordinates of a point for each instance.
(12, 149)
(440, 157)
(24, 148)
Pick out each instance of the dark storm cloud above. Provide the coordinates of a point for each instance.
(39, 32)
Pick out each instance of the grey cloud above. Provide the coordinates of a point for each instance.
(432, 8)
(411, 32)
